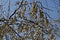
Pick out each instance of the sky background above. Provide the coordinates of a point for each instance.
(51, 4)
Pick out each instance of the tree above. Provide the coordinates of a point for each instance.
(36, 26)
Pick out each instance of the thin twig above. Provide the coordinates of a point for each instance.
(15, 32)
(16, 9)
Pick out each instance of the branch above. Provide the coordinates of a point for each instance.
(15, 32)
(2, 20)
(16, 9)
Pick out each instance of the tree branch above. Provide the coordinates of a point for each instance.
(15, 32)
(16, 9)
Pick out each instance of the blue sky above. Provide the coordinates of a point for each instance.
(51, 4)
